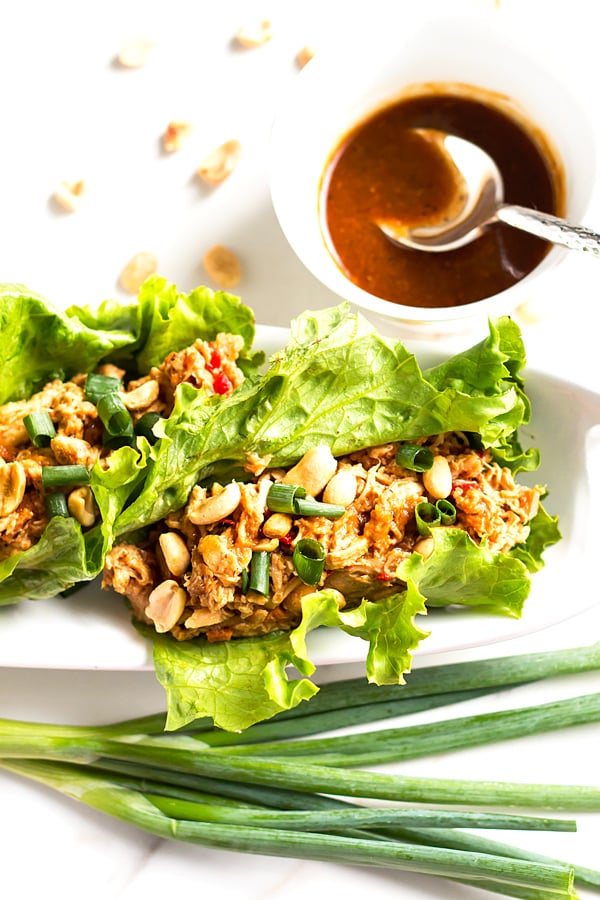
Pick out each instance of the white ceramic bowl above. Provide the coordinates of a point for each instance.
(337, 90)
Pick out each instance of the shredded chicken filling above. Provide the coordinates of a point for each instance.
(363, 548)
(79, 430)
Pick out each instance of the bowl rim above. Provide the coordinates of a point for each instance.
(327, 271)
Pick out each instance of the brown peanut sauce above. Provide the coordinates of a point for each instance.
(381, 170)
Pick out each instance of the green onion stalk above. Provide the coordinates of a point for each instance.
(138, 809)
(261, 792)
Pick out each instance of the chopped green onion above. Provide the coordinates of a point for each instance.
(281, 497)
(56, 505)
(316, 508)
(97, 386)
(114, 415)
(427, 516)
(40, 428)
(414, 457)
(145, 424)
(260, 567)
(291, 498)
(447, 512)
(64, 476)
(245, 580)
(309, 560)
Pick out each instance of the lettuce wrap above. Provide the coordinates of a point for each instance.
(41, 343)
(338, 382)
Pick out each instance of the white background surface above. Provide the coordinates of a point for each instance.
(68, 112)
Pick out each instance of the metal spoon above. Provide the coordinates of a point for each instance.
(481, 193)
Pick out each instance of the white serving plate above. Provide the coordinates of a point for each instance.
(92, 629)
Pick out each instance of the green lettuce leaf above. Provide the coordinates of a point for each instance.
(235, 683)
(543, 532)
(238, 683)
(163, 319)
(459, 571)
(388, 625)
(41, 343)
(339, 382)
(59, 560)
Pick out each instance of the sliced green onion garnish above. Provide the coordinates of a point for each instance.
(281, 497)
(245, 580)
(40, 428)
(309, 560)
(414, 457)
(145, 424)
(97, 386)
(427, 516)
(291, 498)
(56, 505)
(315, 508)
(447, 512)
(64, 476)
(260, 568)
(114, 415)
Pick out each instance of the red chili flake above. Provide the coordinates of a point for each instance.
(286, 539)
(462, 486)
(214, 361)
(381, 576)
(221, 384)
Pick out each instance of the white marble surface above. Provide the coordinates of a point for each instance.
(68, 112)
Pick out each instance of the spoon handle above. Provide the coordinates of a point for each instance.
(550, 228)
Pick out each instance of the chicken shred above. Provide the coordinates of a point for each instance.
(210, 365)
(363, 548)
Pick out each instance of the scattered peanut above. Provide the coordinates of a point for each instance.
(304, 56)
(134, 53)
(529, 313)
(175, 552)
(222, 266)
(140, 267)
(82, 506)
(220, 162)
(338, 597)
(267, 545)
(165, 605)
(313, 471)
(437, 480)
(293, 601)
(12, 487)
(69, 193)
(425, 547)
(142, 396)
(341, 489)
(277, 525)
(201, 618)
(213, 509)
(69, 450)
(255, 34)
(175, 135)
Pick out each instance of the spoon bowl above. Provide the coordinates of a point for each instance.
(479, 203)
